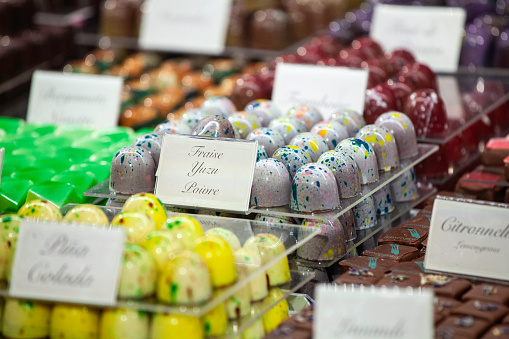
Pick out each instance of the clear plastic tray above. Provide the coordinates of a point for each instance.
(384, 221)
(101, 190)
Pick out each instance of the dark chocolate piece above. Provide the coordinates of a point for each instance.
(359, 277)
(371, 263)
(482, 191)
(488, 311)
(488, 293)
(497, 332)
(404, 236)
(445, 286)
(461, 327)
(426, 211)
(418, 222)
(412, 268)
(393, 252)
(444, 305)
(400, 280)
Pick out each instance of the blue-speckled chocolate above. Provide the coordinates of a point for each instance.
(347, 219)
(331, 131)
(214, 126)
(352, 120)
(152, 143)
(346, 171)
(404, 187)
(329, 244)
(383, 201)
(268, 138)
(402, 129)
(365, 214)
(264, 109)
(309, 114)
(244, 123)
(219, 106)
(287, 127)
(172, 127)
(274, 220)
(192, 116)
(384, 145)
(363, 155)
(271, 184)
(294, 157)
(314, 188)
(261, 153)
(132, 171)
(311, 143)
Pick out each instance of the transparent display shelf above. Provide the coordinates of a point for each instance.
(101, 190)
(384, 221)
(291, 236)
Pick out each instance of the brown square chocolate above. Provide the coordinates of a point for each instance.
(426, 211)
(488, 311)
(411, 268)
(404, 236)
(359, 277)
(303, 319)
(461, 327)
(445, 286)
(400, 280)
(445, 306)
(488, 293)
(497, 332)
(418, 222)
(393, 252)
(368, 263)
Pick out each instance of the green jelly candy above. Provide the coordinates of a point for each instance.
(11, 125)
(38, 129)
(56, 164)
(12, 166)
(13, 194)
(75, 154)
(29, 159)
(100, 170)
(104, 155)
(25, 142)
(23, 151)
(81, 181)
(116, 134)
(92, 143)
(36, 174)
(8, 145)
(74, 131)
(53, 141)
(58, 193)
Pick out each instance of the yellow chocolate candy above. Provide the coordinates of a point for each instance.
(137, 226)
(9, 229)
(149, 204)
(184, 279)
(256, 330)
(159, 244)
(119, 323)
(87, 214)
(248, 261)
(25, 319)
(138, 277)
(74, 322)
(185, 228)
(278, 313)
(228, 235)
(270, 247)
(215, 321)
(40, 210)
(169, 326)
(218, 256)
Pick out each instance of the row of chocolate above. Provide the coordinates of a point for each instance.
(174, 259)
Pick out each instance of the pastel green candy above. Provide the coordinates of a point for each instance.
(75, 155)
(13, 194)
(36, 174)
(81, 181)
(101, 171)
(56, 164)
(58, 193)
(15, 165)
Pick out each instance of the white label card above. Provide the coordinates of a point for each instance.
(344, 312)
(74, 99)
(206, 172)
(328, 88)
(468, 239)
(195, 26)
(433, 34)
(67, 263)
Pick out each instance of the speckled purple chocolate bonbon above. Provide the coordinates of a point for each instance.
(403, 131)
(404, 187)
(152, 143)
(293, 157)
(261, 153)
(214, 126)
(352, 120)
(286, 127)
(364, 157)
(331, 131)
(347, 219)
(365, 214)
(308, 114)
(132, 171)
(264, 109)
(172, 127)
(271, 184)
(218, 106)
(311, 143)
(268, 138)
(314, 188)
(384, 145)
(329, 244)
(346, 171)
(383, 200)
(274, 220)
(191, 117)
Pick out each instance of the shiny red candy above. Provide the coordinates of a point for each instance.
(379, 99)
(427, 111)
(370, 47)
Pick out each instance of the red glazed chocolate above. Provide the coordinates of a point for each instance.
(427, 111)
(378, 101)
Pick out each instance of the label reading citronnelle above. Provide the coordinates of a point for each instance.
(469, 239)
(206, 172)
(67, 263)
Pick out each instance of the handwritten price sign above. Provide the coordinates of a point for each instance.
(206, 172)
